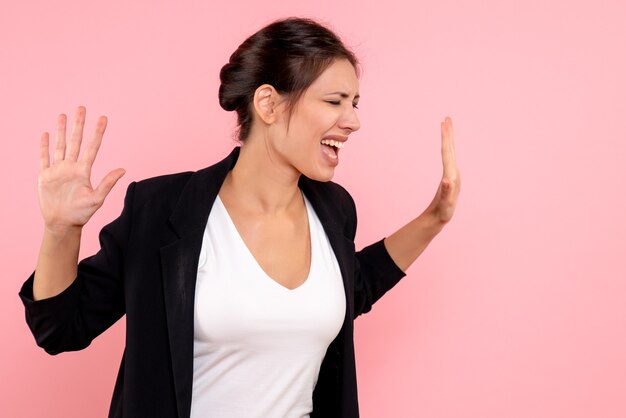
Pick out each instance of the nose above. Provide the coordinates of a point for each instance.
(350, 120)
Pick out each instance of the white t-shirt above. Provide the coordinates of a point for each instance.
(258, 345)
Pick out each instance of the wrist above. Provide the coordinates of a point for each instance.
(431, 222)
(62, 232)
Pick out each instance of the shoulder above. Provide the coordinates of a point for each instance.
(170, 187)
(161, 188)
(166, 183)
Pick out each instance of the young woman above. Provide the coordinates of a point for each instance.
(240, 282)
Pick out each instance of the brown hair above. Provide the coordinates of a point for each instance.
(288, 54)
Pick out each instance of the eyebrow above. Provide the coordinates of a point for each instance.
(345, 95)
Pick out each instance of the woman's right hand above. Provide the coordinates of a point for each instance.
(66, 197)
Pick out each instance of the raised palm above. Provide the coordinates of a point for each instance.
(444, 202)
(66, 197)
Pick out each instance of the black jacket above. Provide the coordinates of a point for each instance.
(146, 268)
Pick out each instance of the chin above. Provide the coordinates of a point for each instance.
(320, 175)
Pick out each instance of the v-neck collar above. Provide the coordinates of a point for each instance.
(243, 247)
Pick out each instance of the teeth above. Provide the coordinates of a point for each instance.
(333, 143)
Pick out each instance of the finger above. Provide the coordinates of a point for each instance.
(89, 156)
(448, 155)
(450, 141)
(107, 183)
(44, 152)
(59, 151)
(73, 147)
(452, 147)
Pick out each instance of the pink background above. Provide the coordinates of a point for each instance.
(517, 309)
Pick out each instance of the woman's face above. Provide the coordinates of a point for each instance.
(321, 122)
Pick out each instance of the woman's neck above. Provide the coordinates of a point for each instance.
(262, 181)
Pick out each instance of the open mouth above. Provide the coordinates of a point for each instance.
(331, 147)
(332, 143)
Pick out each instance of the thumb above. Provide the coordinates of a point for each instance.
(107, 183)
(444, 189)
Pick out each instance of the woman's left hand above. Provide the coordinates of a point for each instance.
(443, 205)
(406, 244)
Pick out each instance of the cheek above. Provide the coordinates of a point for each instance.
(308, 128)
(320, 122)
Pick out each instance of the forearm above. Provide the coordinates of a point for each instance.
(406, 244)
(57, 262)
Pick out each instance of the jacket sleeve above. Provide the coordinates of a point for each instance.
(375, 272)
(93, 302)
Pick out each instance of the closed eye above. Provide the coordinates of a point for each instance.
(337, 103)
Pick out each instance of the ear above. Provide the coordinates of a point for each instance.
(266, 102)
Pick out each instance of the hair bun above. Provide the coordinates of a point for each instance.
(229, 95)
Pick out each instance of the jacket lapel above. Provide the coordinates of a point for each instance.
(179, 263)
(334, 395)
(325, 203)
